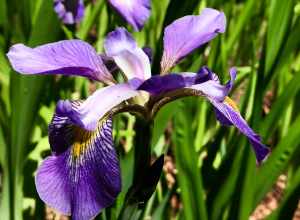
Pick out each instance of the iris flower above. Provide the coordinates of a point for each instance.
(69, 11)
(82, 175)
(135, 12)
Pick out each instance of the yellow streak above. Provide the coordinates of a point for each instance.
(232, 103)
(83, 139)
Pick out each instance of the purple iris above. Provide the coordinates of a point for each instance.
(82, 175)
(69, 11)
(135, 12)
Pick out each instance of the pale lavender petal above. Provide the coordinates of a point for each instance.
(84, 177)
(112, 66)
(135, 12)
(188, 33)
(212, 88)
(97, 105)
(69, 11)
(67, 57)
(228, 115)
(131, 59)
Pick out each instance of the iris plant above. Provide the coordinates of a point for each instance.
(82, 175)
(135, 12)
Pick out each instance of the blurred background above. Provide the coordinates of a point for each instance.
(209, 171)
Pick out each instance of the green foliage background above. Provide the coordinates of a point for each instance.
(217, 177)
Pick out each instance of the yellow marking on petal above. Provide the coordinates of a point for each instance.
(232, 103)
(83, 139)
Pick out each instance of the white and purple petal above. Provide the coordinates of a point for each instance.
(228, 114)
(188, 33)
(212, 88)
(131, 59)
(82, 176)
(67, 57)
(135, 12)
(69, 11)
(97, 105)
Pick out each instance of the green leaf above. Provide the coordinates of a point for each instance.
(277, 29)
(289, 202)
(4, 179)
(277, 161)
(25, 97)
(161, 120)
(270, 122)
(190, 182)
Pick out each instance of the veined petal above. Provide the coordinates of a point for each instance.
(97, 105)
(227, 113)
(131, 59)
(67, 57)
(69, 11)
(188, 33)
(135, 12)
(84, 177)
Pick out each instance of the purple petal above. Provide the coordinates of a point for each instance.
(112, 66)
(227, 114)
(131, 59)
(67, 57)
(84, 177)
(69, 11)
(188, 33)
(160, 84)
(212, 88)
(135, 12)
(97, 105)
(205, 82)
(148, 51)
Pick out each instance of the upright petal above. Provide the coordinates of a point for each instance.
(67, 57)
(84, 177)
(69, 11)
(131, 59)
(227, 114)
(135, 12)
(97, 105)
(188, 33)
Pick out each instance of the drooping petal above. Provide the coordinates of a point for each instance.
(135, 12)
(188, 33)
(82, 176)
(228, 114)
(67, 57)
(97, 105)
(131, 59)
(69, 11)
